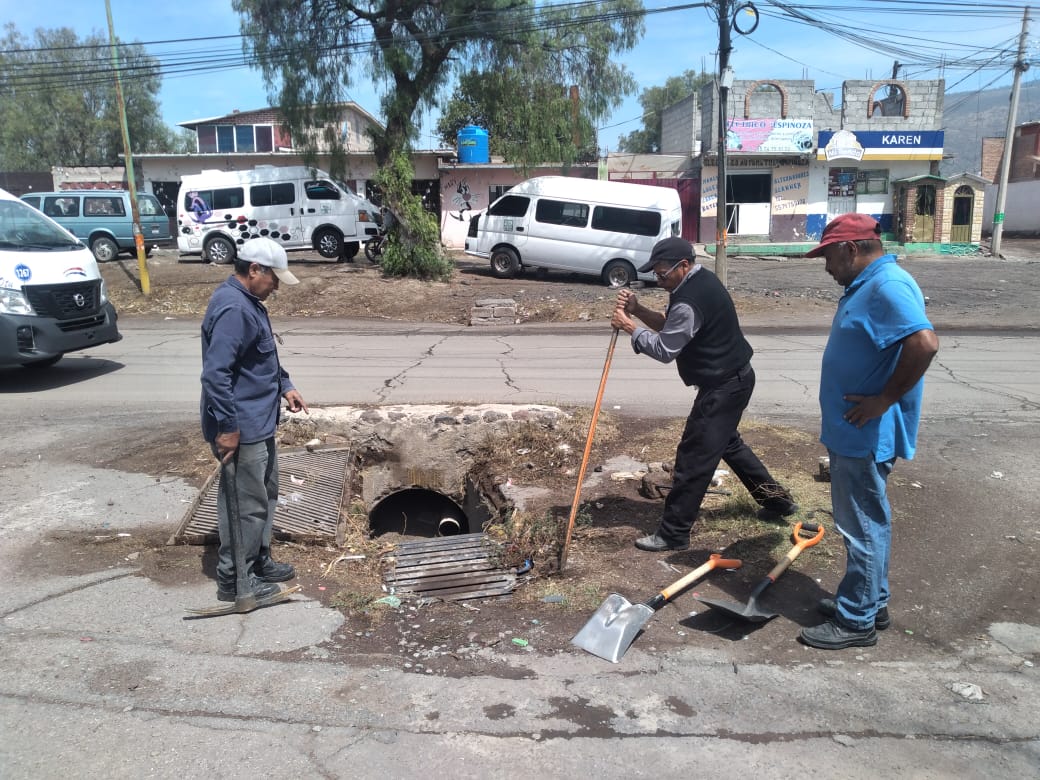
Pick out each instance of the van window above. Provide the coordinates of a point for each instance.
(321, 190)
(32, 200)
(215, 200)
(149, 206)
(510, 206)
(272, 194)
(57, 206)
(104, 206)
(621, 220)
(561, 212)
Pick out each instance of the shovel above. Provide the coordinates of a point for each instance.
(751, 612)
(617, 622)
(245, 600)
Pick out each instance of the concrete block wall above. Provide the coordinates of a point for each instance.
(992, 151)
(680, 127)
(923, 105)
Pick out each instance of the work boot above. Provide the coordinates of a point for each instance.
(772, 514)
(266, 570)
(657, 543)
(260, 589)
(830, 609)
(834, 636)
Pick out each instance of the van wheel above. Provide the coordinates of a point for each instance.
(220, 251)
(505, 262)
(329, 243)
(350, 250)
(618, 273)
(104, 249)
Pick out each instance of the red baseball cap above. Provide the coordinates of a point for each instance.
(847, 227)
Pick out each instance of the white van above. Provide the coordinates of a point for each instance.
(589, 226)
(298, 206)
(52, 296)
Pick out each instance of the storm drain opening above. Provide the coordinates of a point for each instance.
(418, 512)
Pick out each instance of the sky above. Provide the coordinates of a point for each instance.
(676, 39)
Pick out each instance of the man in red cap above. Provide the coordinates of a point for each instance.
(879, 348)
(701, 333)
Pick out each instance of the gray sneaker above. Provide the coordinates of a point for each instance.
(830, 609)
(834, 636)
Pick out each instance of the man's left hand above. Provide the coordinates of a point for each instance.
(866, 408)
(296, 402)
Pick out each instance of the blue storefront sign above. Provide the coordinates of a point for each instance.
(880, 145)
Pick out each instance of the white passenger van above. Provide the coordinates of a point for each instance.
(297, 206)
(52, 296)
(585, 225)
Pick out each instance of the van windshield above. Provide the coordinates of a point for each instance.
(24, 228)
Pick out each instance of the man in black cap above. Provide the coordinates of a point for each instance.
(701, 333)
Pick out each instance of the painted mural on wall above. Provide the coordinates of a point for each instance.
(463, 199)
(769, 136)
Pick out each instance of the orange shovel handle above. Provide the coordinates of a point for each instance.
(716, 561)
(800, 544)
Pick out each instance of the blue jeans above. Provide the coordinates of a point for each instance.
(863, 517)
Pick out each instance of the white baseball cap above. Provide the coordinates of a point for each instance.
(268, 252)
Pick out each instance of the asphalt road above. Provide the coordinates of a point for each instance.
(99, 675)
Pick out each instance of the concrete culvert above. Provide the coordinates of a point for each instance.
(417, 512)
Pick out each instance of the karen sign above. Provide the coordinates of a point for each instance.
(880, 145)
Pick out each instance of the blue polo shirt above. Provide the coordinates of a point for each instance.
(881, 307)
(242, 380)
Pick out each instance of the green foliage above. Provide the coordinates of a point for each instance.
(654, 101)
(59, 107)
(414, 247)
(312, 50)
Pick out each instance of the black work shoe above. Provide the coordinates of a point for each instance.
(769, 515)
(267, 570)
(834, 636)
(656, 543)
(830, 609)
(261, 590)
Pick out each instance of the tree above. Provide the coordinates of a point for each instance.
(529, 121)
(654, 101)
(314, 49)
(58, 101)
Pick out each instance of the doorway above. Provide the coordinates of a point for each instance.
(924, 214)
(748, 203)
(963, 211)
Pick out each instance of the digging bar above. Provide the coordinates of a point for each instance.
(751, 612)
(614, 626)
(245, 600)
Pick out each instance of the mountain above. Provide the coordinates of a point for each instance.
(968, 117)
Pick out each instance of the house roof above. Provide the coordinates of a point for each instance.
(194, 123)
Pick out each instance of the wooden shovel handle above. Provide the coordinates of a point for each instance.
(716, 561)
(588, 449)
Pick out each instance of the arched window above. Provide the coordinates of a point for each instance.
(895, 101)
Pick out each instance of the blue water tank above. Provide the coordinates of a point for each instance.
(473, 145)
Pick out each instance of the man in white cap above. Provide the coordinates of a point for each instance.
(242, 387)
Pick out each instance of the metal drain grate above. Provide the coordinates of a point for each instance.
(311, 486)
(453, 568)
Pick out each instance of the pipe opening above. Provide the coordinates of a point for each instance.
(417, 512)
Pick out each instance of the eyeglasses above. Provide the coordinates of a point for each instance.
(663, 274)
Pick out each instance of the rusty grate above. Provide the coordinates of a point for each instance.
(453, 568)
(311, 486)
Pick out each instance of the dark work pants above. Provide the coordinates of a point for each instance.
(710, 436)
(257, 487)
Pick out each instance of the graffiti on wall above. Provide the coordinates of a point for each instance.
(463, 199)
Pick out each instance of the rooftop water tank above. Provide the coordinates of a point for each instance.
(473, 145)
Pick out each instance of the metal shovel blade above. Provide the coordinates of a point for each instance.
(749, 612)
(612, 628)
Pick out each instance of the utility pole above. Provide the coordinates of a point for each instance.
(725, 78)
(1009, 138)
(142, 264)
